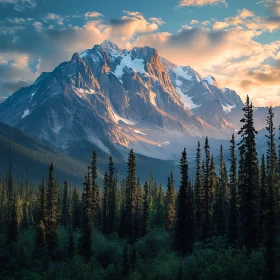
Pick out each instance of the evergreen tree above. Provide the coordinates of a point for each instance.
(43, 213)
(207, 193)
(41, 241)
(13, 225)
(105, 210)
(76, 215)
(233, 202)
(138, 209)
(65, 215)
(123, 217)
(272, 211)
(51, 211)
(130, 194)
(170, 204)
(262, 201)
(145, 226)
(198, 193)
(221, 195)
(85, 246)
(112, 203)
(184, 235)
(159, 222)
(248, 179)
(96, 211)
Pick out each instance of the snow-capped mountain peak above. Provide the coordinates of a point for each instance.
(117, 99)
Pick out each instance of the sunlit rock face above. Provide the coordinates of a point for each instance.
(118, 99)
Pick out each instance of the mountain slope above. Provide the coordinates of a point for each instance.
(29, 157)
(117, 99)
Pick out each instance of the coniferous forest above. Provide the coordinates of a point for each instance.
(222, 224)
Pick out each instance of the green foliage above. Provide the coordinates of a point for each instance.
(210, 264)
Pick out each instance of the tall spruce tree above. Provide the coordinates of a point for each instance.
(51, 210)
(85, 242)
(41, 241)
(96, 208)
(105, 208)
(159, 221)
(207, 193)
(42, 210)
(272, 209)
(249, 181)
(76, 212)
(123, 218)
(112, 199)
(262, 200)
(146, 210)
(65, 214)
(170, 204)
(233, 201)
(221, 198)
(130, 194)
(184, 231)
(198, 193)
(138, 209)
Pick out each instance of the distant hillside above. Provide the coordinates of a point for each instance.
(29, 157)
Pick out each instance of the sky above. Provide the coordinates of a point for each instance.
(236, 41)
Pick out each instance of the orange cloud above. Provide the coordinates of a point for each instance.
(220, 25)
(184, 3)
(93, 15)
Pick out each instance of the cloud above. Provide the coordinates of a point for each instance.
(230, 52)
(220, 25)
(266, 75)
(14, 73)
(185, 3)
(194, 21)
(240, 18)
(132, 23)
(246, 14)
(158, 21)
(38, 26)
(93, 15)
(20, 5)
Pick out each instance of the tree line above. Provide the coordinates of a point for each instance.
(240, 205)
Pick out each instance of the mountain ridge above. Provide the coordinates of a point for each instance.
(119, 99)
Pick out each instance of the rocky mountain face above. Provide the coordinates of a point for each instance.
(117, 99)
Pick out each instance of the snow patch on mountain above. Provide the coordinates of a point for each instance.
(227, 108)
(139, 132)
(180, 71)
(127, 61)
(32, 95)
(210, 80)
(178, 83)
(82, 92)
(56, 129)
(187, 100)
(118, 118)
(25, 113)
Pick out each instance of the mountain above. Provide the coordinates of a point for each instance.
(117, 99)
(203, 95)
